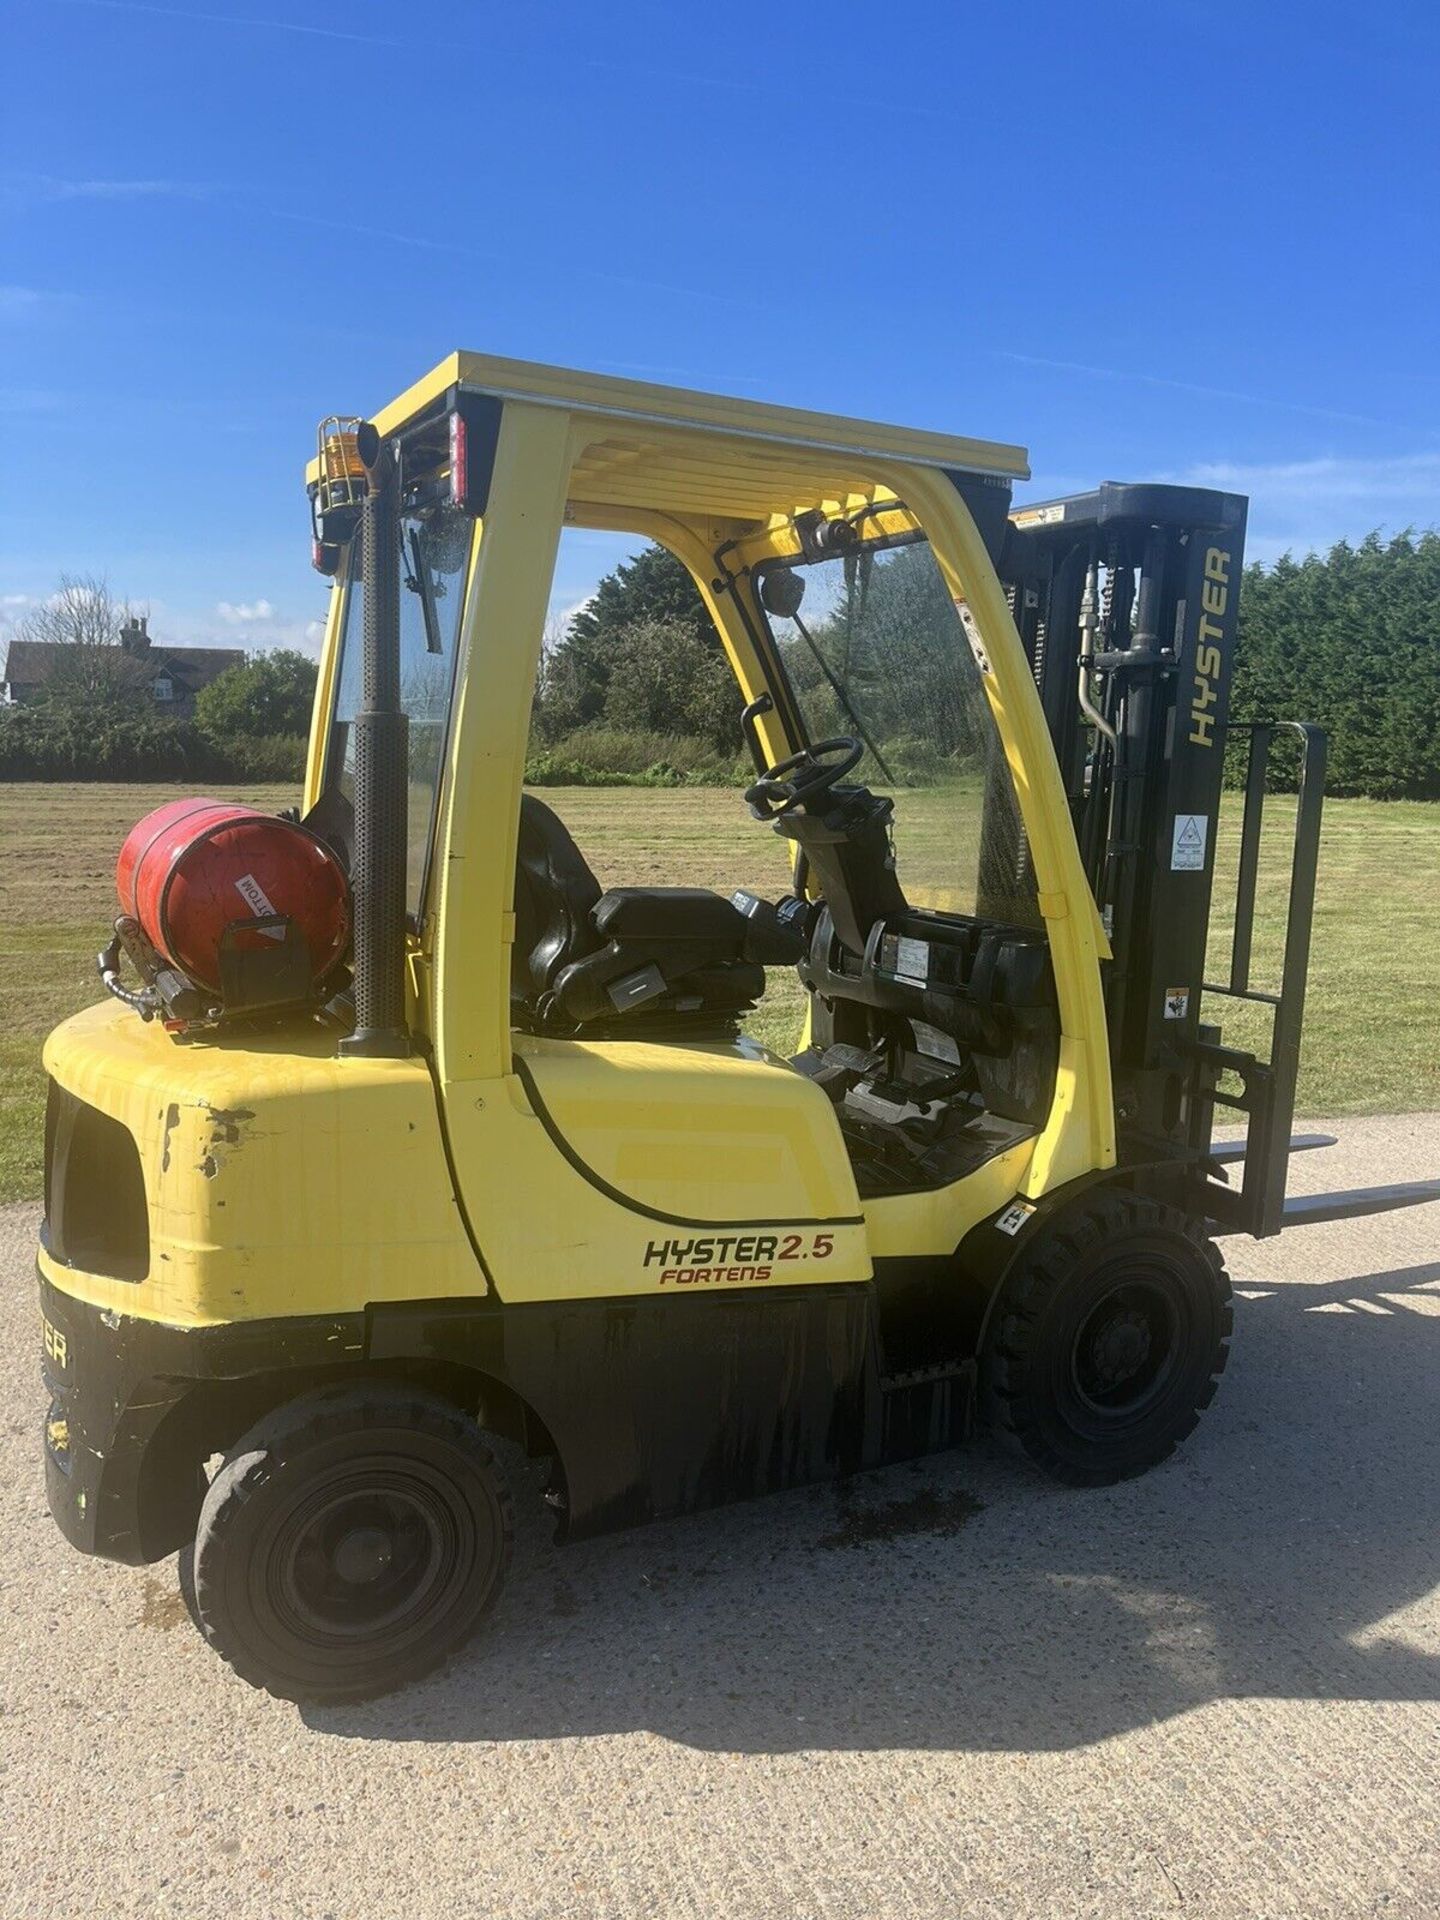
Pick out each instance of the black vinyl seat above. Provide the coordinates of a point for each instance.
(555, 896)
(584, 957)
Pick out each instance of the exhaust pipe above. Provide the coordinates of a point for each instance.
(381, 773)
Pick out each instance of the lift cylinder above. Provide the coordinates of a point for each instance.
(192, 868)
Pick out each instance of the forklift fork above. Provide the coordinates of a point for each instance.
(1267, 1087)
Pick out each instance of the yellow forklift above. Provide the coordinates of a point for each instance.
(405, 1131)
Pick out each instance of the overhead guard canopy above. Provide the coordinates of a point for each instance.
(670, 449)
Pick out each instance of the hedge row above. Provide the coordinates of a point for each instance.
(602, 756)
(43, 743)
(1351, 639)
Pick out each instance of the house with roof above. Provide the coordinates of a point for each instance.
(170, 677)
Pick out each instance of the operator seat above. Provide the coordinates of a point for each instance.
(555, 896)
(584, 957)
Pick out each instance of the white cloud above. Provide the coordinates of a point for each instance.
(262, 630)
(48, 188)
(258, 625)
(13, 609)
(16, 302)
(1305, 506)
(1187, 386)
(28, 306)
(244, 613)
(1330, 479)
(562, 611)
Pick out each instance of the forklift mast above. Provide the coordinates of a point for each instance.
(1126, 599)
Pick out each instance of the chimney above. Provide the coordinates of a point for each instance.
(133, 635)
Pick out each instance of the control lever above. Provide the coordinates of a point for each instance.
(777, 933)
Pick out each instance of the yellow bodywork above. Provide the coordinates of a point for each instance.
(282, 1179)
(277, 1182)
(297, 1182)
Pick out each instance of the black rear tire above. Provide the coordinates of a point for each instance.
(1108, 1340)
(352, 1541)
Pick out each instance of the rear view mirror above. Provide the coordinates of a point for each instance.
(781, 592)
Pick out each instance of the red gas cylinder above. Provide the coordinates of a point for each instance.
(192, 867)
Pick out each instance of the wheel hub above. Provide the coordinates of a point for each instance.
(363, 1555)
(1120, 1348)
(362, 1559)
(1125, 1349)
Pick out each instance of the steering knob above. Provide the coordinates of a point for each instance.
(804, 777)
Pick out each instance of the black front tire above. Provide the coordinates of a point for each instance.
(1108, 1340)
(352, 1541)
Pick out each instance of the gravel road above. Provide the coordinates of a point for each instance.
(1215, 1691)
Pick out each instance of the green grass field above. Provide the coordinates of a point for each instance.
(1372, 1025)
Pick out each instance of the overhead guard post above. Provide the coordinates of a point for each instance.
(381, 773)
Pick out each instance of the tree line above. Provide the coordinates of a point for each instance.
(1349, 639)
(95, 716)
(636, 687)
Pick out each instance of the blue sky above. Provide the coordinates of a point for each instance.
(1163, 240)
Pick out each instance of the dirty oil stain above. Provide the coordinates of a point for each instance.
(161, 1606)
(924, 1512)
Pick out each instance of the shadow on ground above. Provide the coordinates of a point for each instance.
(962, 1603)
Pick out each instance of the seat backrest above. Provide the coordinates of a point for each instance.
(555, 896)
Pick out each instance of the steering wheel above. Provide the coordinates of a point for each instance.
(806, 776)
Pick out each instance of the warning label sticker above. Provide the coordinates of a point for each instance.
(1014, 1217)
(938, 1045)
(912, 960)
(1187, 842)
(1177, 1002)
(258, 901)
(1040, 516)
